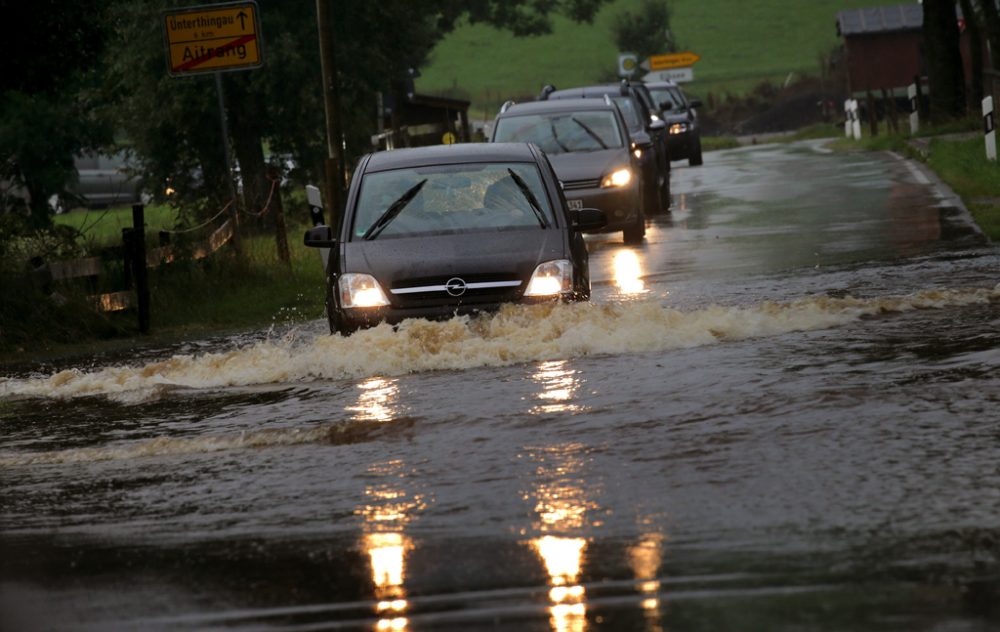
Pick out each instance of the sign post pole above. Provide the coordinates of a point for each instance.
(215, 38)
(224, 123)
(911, 92)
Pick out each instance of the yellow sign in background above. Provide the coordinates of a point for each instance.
(673, 60)
(212, 38)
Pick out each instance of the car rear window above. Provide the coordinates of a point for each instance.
(562, 132)
(454, 198)
(632, 118)
(669, 94)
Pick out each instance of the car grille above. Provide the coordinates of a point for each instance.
(479, 288)
(572, 185)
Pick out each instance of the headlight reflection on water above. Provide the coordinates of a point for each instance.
(387, 510)
(559, 384)
(376, 402)
(628, 272)
(561, 506)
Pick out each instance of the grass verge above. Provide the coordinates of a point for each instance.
(103, 227)
(715, 143)
(188, 298)
(963, 166)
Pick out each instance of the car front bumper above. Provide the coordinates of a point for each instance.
(352, 319)
(682, 146)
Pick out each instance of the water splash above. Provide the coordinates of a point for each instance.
(514, 335)
(337, 433)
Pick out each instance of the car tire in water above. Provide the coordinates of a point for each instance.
(665, 195)
(695, 159)
(635, 233)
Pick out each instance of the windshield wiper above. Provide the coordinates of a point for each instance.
(589, 131)
(555, 136)
(390, 213)
(528, 195)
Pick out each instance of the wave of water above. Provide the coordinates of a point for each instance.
(514, 335)
(339, 433)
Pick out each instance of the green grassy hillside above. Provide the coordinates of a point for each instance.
(740, 42)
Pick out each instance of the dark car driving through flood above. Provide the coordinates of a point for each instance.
(684, 132)
(644, 126)
(588, 143)
(434, 232)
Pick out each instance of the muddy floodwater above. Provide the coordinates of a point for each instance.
(781, 412)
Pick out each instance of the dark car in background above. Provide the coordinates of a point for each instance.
(435, 232)
(684, 133)
(644, 126)
(588, 144)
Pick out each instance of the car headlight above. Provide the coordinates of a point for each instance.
(360, 290)
(617, 178)
(678, 128)
(551, 278)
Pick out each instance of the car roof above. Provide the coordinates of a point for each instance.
(661, 84)
(559, 105)
(611, 89)
(449, 154)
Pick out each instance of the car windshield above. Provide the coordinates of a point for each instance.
(672, 95)
(454, 198)
(562, 132)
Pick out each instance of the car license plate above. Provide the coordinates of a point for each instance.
(575, 205)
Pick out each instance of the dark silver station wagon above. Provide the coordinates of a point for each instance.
(433, 232)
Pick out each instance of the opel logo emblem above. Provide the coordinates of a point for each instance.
(455, 286)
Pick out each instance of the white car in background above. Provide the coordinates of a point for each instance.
(104, 180)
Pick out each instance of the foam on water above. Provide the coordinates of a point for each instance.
(516, 334)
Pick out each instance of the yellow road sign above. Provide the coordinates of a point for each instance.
(212, 38)
(449, 138)
(673, 60)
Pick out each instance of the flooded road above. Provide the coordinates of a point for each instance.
(781, 412)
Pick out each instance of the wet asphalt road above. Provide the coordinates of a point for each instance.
(781, 412)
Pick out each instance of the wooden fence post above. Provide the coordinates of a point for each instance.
(872, 114)
(139, 265)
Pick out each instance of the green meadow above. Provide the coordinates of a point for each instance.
(740, 44)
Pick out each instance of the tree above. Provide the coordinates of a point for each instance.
(972, 25)
(645, 32)
(944, 60)
(49, 109)
(991, 25)
(173, 123)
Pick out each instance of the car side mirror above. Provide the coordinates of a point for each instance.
(695, 103)
(658, 126)
(587, 219)
(642, 139)
(320, 237)
(666, 106)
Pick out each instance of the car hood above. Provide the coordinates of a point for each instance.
(588, 165)
(677, 116)
(481, 255)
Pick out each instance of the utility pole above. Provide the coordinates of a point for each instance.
(335, 176)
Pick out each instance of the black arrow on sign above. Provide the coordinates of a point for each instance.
(242, 16)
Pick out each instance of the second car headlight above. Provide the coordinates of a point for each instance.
(360, 290)
(678, 128)
(551, 278)
(617, 178)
